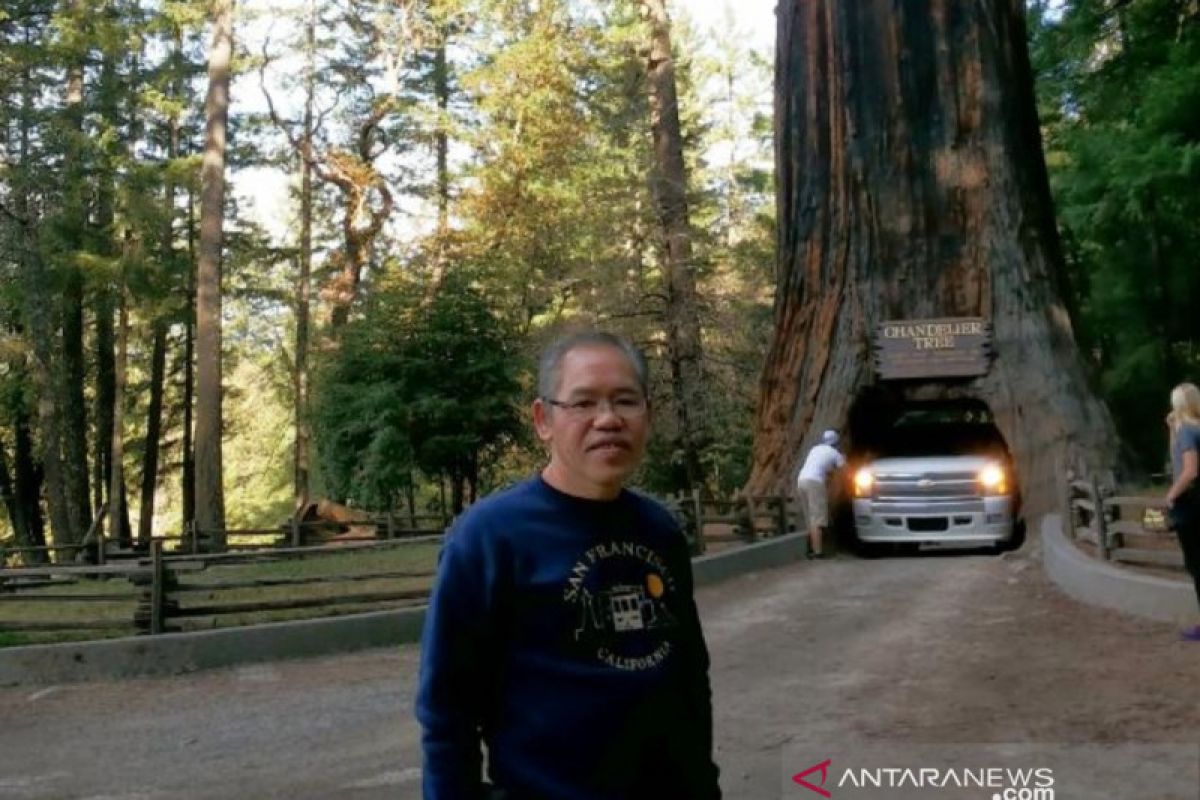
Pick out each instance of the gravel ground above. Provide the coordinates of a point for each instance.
(929, 649)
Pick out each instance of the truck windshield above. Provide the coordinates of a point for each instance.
(942, 431)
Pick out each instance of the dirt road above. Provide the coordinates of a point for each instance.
(926, 649)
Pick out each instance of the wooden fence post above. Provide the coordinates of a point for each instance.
(781, 516)
(100, 547)
(1068, 515)
(157, 587)
(751, 531)
(295, 523)
(391, 526)
(798, 512)
(1100, 520)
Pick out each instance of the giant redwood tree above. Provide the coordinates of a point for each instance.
(210, 494)
(911, 184)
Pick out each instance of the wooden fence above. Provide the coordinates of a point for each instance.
(97, 597)
(170, 584)
(299, 534)
(1123, 528)
(205, 589)
(289, 534)
(741, 518)
(168, 592)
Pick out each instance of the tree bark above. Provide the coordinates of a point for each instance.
(356, 176)
(8, 493)
(105, 388)
(118, 518)
(26, 516)
(188, 458)
(302, 445)
(911, 184)
(441, 88)
(73, 373)
(158, 352)
(15, 489)
(669, 182)
(118, 494)
(366, 197)
(158, 363)
(441, 146)
(39, 315)
(210, 500)
(105, 343)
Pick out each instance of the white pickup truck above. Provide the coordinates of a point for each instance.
(938, 477)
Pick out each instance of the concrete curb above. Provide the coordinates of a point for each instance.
(1100, 584)
(749, 558)
(173, 653)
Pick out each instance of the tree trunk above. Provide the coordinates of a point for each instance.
(187, 455)
(188, 459)
(75, 438)
(38, 308)
(441, 145)
(8, 493)
(105, 388)
(106, 369)
(118, 517)
(112, 93)
(158, 353)
(441, 87)
(24, 516)
(456, 489)
(210, 500)
(25, 511)
(302, 444)
(73, 374)
(911, 184)
(28, 523)
(361, 224)
(410, 498)
(107, 399)
(669, 182)
(356, 175)
(158, 363)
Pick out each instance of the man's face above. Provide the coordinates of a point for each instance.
(592, 454)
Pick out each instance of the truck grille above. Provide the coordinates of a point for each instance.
(939, 486)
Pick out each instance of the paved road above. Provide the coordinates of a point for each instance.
(927, 649)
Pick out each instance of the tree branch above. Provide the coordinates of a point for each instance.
(8, 212)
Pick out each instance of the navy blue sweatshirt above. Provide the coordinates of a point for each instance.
(562, 634)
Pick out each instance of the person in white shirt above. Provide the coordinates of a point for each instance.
(822, 460)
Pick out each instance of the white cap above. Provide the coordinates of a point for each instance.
(829, 437)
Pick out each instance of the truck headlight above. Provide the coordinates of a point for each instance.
(993, 480)
(864, 481)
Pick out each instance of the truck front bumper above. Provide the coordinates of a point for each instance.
(974, 521)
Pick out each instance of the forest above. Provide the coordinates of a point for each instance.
(260, 254)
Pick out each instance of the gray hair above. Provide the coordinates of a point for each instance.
(550, 361)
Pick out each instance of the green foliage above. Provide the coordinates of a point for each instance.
(1119, 93)
(419, 383)
(550, 222)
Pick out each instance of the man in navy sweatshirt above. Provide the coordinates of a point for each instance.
(562, 634)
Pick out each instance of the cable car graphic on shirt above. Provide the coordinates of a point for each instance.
(625, 605)
(622, 608)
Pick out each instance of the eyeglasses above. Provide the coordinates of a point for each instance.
(626, 407)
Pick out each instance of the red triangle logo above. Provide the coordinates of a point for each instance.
(823, 768)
